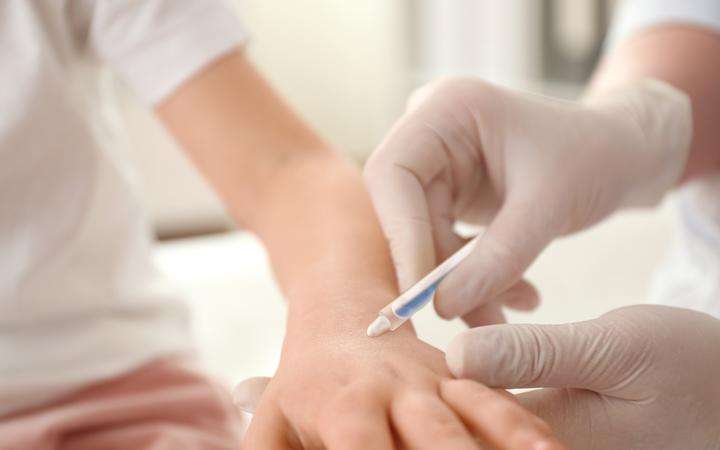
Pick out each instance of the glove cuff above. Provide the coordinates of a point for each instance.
(658, 118)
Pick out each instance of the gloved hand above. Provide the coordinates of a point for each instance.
(641, 377)
(531, 168)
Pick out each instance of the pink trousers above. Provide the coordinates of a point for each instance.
(161, 406)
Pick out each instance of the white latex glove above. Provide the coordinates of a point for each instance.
(247, 393)
(246, 398)
(641, 377)
(531, 168)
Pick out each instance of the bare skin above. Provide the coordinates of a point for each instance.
(310, 208)
(337, 389)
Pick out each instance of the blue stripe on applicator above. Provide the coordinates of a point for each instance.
(420, 300)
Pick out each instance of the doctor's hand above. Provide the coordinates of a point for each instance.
(641, 377)
(527, 167)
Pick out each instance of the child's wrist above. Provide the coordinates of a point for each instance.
(348, 310)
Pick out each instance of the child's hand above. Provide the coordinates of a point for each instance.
(338, 389)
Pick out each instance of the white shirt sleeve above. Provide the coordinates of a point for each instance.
(156, 45)
(634, 16)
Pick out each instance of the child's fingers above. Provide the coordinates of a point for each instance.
(498, 420)
(424, 422)
(268, 431)
(356, 421)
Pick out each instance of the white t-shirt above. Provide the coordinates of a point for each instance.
(690, 275)
(79, 297)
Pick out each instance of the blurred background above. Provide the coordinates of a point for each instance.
(348, 68)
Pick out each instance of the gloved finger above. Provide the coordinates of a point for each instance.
(442, 219)
(420, 95)
(522, 296)
(594, 355)
(397, 175)
(576, 414)
(500, 421)
(487, 314)
(448, 242)
(247, 393)
(510, 244)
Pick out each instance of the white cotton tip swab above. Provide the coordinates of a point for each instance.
(379, 326)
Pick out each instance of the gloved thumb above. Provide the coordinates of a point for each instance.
(247, 393)
(512, 241)
(596, 355)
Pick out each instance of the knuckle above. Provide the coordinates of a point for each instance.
(505, 411)
(462, 384)
(326, 418)
(463, 388)
(446, 428)
(359, 435)
(442, 426)
(501, 253)
(414, 403)
(351, 399)
(340, 424)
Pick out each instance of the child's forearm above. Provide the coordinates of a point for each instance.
(280, 180)
(326, 246)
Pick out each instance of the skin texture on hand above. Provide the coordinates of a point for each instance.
(641, 377)
(338, 389)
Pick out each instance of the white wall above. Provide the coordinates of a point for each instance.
(343, 64)
(496, 40)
